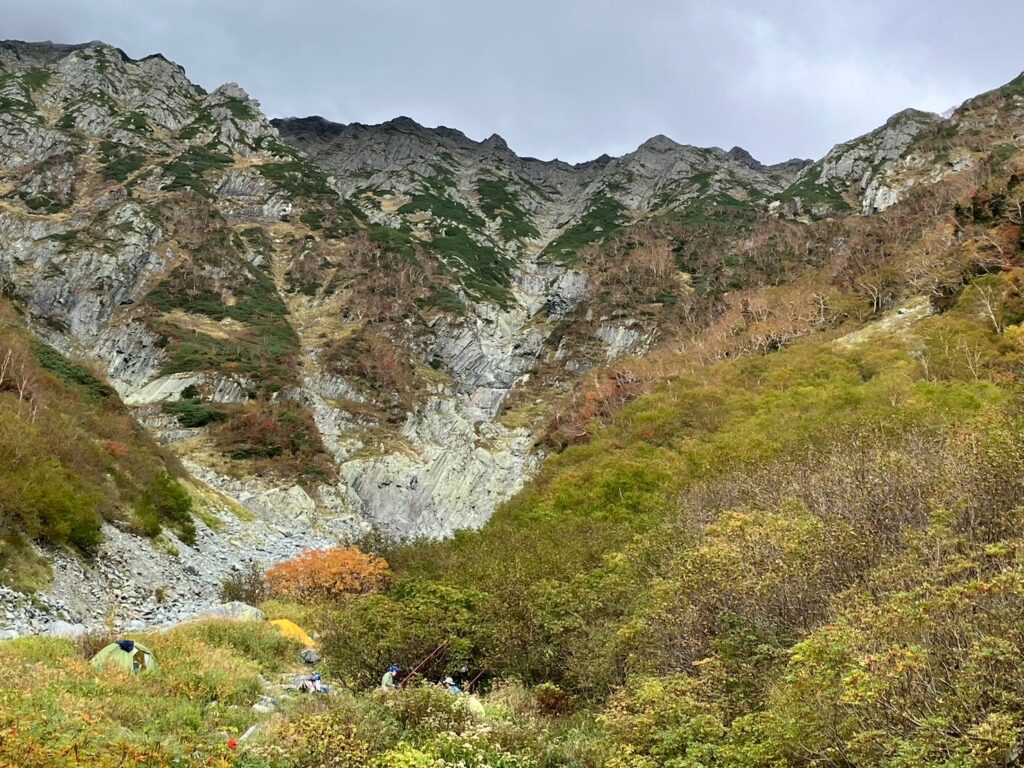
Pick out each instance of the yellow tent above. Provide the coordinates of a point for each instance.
(293, 631)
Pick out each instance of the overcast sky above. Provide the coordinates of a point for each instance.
(573, 78)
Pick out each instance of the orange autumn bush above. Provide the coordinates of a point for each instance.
(329, 573)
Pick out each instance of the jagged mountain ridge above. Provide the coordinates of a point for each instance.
(92, 101)
(405, 175)
(180, 240)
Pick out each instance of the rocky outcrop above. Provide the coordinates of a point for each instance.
(859, 173)
(852, 162)
(453, 478)
(169, 388)
(893, 180)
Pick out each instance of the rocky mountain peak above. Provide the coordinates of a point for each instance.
(494, 141)
(598, 162)
(854, 174)
(314, 125)
(229, 91)
(910, 115)
(45, 52)
(659, 143)
(403, 123)
(743, 157)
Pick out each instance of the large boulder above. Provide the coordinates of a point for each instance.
(66, 629)
(233, 611)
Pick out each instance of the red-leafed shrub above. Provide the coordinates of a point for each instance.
(115, 448)
(329, 573)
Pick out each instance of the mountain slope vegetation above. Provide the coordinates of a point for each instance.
(802, 545)
(72, 458)
(779, 517)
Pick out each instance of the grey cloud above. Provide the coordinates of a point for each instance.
(573, 78)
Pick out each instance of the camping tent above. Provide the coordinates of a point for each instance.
(127, 655)
(293, 631)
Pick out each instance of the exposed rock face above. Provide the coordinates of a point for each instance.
(889, 185)
(858, 173)
(454, 477)
(171, 388)
(853, 161)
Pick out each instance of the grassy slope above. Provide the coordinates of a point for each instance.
(56, 710)
(71, 457)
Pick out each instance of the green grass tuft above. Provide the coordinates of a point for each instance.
(188, 170)
(604, 216)
(496, 200)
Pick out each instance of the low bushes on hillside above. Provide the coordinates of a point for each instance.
(278, 438)
(376, 363)
(72, 457)
(247, 585)
(414, 622)
(719, 518)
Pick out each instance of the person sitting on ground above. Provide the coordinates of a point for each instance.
(313, 684)
(387, 683)
(451, 686)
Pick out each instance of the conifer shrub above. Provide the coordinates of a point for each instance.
(192, 413)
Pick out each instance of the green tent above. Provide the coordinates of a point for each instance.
(127, 655)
